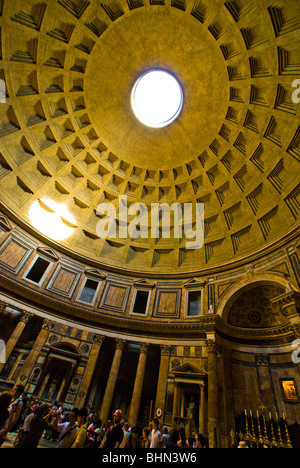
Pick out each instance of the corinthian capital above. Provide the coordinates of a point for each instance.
(212, 345)
(165, 349)
(144, 347)
(98, 339)
(120, 343)
(26, 316)
(48, 324)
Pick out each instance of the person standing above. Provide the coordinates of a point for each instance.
(34, 426)
(200, 441)
(172, 444)
(126, 434)
(81, 435)
(155, 434)
(114, 435)
(145, 438)
(133, 440)
(67, 430)
(5, 400)
(165, 437)
(15, 409)
(182, 443)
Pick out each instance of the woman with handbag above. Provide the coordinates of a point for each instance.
(32, 431)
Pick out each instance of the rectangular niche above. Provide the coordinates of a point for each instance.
(90, 287)
(141, 302)
(194, 297)
(65, 278)
(167, 303)
(115, 295)
(194, 303)
(15, 251)
(38, 270)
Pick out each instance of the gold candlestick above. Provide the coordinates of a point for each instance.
(265, 438)
(280, 441)
(273, 440)
(248, 435)
(260, 438)
(253, 435)
(287, 436)
(232, 438)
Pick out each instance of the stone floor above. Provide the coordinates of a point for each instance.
(44, 443)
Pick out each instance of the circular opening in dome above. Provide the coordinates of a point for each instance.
(157, 98)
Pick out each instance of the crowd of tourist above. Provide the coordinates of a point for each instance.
(33, 420)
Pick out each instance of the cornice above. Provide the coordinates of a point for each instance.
(193, 330)
(68, 311)
(278, 243)
(252, 334)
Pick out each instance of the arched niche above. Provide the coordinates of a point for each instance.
(58, 371)
(273, 285)
(65, 348)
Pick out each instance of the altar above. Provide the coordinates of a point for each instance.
(189, 400)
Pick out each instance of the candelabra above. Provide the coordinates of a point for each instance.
(261, 432)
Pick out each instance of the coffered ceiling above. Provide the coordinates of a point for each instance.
(68, 133)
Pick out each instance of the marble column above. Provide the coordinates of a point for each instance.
(202, 410)
(14, 338)
(138, 385)
(89, 371)
(213, 396)
(162, 379)
(34, 353)
(42, 376)
(227, 418)
(112, 379)
(182, 402)
(61, 396)
(176, 399)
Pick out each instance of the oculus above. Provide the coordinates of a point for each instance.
(157, 98)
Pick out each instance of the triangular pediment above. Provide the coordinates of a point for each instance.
(194, 282)
(188, 369)
(95, 273)
(144, 283)
(4, 223)
(48, 252)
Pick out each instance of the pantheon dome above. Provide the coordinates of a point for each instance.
(149, 265)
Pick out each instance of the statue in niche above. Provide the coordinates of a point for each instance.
(52, 389)
(35, 375)
(190, 412)
(9, 365)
